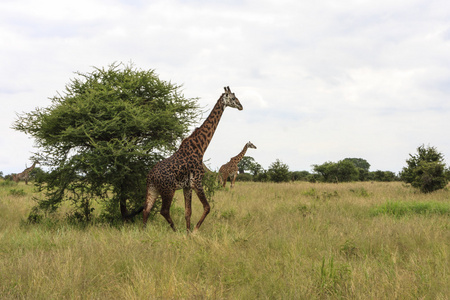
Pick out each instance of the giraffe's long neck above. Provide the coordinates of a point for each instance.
(28, 170)
(201, 137)
(239, 157)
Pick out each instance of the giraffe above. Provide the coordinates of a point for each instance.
(25, 174)
(184, 169)
(231, 167)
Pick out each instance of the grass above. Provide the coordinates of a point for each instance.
(261, 241)
(400, 209)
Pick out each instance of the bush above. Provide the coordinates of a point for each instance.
(425, 170)
(262, 176)
(279, 172)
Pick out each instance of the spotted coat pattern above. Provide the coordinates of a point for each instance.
(184, 169)
(231, 167)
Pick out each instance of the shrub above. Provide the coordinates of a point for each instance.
(279, 172)
(425, 170)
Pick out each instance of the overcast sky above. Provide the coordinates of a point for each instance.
(319, 80)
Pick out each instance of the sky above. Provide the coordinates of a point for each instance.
(319, 80)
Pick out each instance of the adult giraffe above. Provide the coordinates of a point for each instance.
(25, 174)
(184, 169)
(231, 167)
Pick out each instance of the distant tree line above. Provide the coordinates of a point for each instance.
(348, 169)
(425, 171)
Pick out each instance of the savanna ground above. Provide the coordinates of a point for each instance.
(261, 241)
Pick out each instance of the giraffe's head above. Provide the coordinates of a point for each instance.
(229, 99)
(250, 145)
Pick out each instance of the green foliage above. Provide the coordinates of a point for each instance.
(425, 170)
(385, 176)
(210, 185)
(342, 171)
(360, 163)
(245, 164)
(400, 209)
(300, 175)
(36, 173)
(248, 163)
(279, 172)
(262, 176)
(101, 136)
(244, 177)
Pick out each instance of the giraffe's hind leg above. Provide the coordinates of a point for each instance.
(224, 179)
(150, 199)
(166, 198)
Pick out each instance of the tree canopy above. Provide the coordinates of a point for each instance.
(100, 137)
(342, 171)
(248, 163)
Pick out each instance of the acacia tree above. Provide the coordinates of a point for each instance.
(425, 170)
(248, 163)
(100, 137)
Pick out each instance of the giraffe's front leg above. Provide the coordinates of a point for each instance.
(206, 207)
(187, 207)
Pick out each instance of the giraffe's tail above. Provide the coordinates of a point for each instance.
(134, 213)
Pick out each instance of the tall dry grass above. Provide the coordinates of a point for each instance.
(261, 240)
